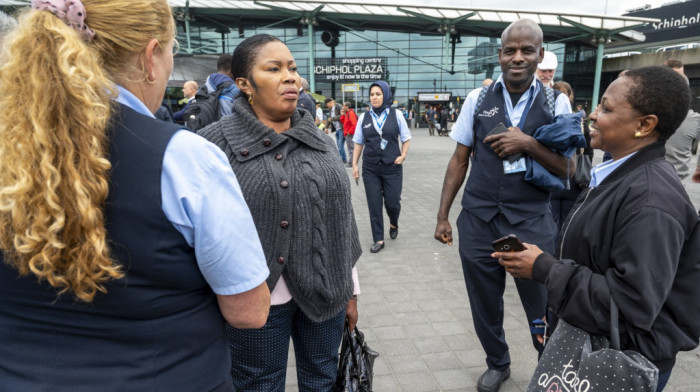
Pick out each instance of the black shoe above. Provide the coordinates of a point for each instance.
(376, 247)
(393, 232)
(491, 380)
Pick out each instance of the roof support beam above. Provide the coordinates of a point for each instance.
(187, 26)
(600, 37)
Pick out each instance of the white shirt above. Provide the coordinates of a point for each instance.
(202, 199)
(462, 131)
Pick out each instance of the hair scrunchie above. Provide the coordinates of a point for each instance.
(72, 12)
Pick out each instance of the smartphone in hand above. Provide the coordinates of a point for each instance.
(509, 243)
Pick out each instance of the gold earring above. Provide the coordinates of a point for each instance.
(637, 134)
(250, 98)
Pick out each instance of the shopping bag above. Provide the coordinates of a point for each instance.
(355, 368)
(574, 360)
(582, 175)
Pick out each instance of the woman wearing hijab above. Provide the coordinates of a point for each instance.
(378, 133)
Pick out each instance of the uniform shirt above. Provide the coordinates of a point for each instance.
(462, 131)
(602, 170)
(405, 133)
(202, 199)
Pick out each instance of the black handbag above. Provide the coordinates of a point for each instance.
(355, 369)
(574, 360)
(582, 175)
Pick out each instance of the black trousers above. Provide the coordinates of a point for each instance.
(383, 185)
(485, 278)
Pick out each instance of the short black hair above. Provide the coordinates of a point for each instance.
(245, 54)
(328, 100)
(223, 63)
(660, 91)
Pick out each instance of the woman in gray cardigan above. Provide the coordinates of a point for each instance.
(299, 195)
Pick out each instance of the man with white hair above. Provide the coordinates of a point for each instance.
(547, 68)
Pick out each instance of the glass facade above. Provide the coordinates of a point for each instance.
(416, 63)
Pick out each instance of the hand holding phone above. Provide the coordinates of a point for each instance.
(509, 243)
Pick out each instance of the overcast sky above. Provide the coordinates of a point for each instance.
(597, 7)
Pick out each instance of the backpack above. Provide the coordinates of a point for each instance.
(204, 108)
(549, 93)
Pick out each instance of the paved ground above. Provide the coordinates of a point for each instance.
(414, 309)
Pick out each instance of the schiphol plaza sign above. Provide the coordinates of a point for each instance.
(350, 69)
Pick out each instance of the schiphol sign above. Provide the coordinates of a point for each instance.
(350, 69)
(678, 21)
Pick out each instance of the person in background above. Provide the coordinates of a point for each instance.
(675, 65)
(305, 101)
(164, 113)
(377, 138)
(443, 118)
(116, 268)
(299, 195)
(334, 120)
(582, 112)
(680, 145)
(412, 117)
(497, 200)
(222, 80)
(547, 68)
(349, 120)
(430, 117)
(189, 89)
(319, 114)
(562, 201)
(634, 236)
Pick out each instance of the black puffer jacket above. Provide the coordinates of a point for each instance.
(636, 237)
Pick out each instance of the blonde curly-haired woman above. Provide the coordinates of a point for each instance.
(101, 286)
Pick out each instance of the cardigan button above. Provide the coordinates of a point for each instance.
(245, 152)
(284, 184)
(280, 260)
(266, 142)
(278, 157)
(284, 224)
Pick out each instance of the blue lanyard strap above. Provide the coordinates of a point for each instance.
(525, 112)
(380, 120)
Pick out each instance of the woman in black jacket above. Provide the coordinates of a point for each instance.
(634, 234)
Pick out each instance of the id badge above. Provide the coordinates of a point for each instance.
(384, 143)
(515, 167)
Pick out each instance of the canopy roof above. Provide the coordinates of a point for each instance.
(357, 15)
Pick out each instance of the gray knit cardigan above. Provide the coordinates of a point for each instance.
(298, 192)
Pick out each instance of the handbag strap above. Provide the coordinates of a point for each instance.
(614, 325)
(350, 340)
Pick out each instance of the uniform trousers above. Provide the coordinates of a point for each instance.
(259, 356)
(383, 185)
(485, 278)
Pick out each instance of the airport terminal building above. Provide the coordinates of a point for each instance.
(427, 54)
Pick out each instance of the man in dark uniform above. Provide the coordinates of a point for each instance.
(497, 200)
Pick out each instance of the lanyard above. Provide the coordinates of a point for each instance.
(379, 121)
(525, 112)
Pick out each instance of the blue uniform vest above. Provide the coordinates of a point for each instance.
(490, 191)
(157, 329)
(373, 152)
